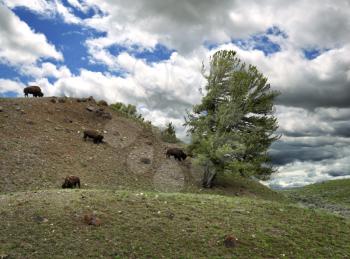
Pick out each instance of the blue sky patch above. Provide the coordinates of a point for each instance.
(276, 31)
(8, 72)
(116, 49)
(79, 13)
(262, 41)
(12, 73)
(9, 94)
(60, 34)
(159, 53)
(258, 42)
(313, 53)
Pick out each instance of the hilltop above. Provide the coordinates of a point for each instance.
(146, 206)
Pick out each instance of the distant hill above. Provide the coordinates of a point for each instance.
(333, 196)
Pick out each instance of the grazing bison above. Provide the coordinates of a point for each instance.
(71, 182)
(95, 135)
(177, 153)
(34, 90)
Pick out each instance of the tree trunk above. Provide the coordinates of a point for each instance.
(208, 176)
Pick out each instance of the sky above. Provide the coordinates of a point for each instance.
(150, 54)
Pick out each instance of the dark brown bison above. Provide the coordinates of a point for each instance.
(71, 182)
(177, 153)
(95, 135)
(34, 90)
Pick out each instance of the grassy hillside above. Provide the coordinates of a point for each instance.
(147, 206)
(164, 225)
(332, 195)
(41, 143)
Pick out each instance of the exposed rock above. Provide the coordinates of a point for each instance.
(81, 100)
(145, 160)
(62, 100)
(54, 100)
(102, 103)
(1, 109)
(91, 108)
(91, 99)
(230, 241)
(102, 113)
(91, 219)
(40, 219)
(170, 215)
(106, 115)
(67, 120)
(100, 110)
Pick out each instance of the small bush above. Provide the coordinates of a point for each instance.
(102, 103)
(130, 111)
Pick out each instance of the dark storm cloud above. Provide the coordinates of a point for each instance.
(324, 82)
(342, 129)
(330, 94)
(284, 152)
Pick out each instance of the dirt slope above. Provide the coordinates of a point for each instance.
(41, 143)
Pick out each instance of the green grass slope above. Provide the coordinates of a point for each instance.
(48, 224)
(41, 143)
(332, 195)
(147, 210)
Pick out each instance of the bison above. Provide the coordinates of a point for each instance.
(71, 182)
(95, 135)
(34, 90)
(177, 153)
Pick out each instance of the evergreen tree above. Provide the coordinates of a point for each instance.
(234, 125)
(169, 134)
